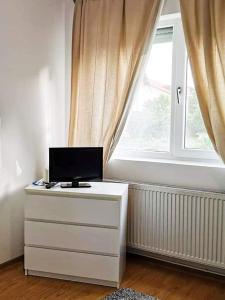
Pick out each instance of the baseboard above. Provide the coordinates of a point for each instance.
(11, 261)
(177, 261)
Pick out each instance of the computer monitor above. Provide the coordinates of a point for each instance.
(70, 165)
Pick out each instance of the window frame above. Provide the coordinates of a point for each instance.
(178, 111)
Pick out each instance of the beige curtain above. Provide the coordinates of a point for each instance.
(204, 28)
(108, 39)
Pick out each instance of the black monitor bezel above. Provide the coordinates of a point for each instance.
(70, 179)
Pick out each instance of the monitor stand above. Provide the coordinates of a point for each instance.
(75, 184)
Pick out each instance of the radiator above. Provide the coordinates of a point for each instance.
(178, 223)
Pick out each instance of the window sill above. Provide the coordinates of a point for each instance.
(183, 162)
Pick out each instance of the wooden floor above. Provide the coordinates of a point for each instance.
(165, 281)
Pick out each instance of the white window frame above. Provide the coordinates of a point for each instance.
(178, 110)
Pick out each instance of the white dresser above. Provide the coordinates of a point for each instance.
(77, 234)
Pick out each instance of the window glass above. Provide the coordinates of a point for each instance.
(148, 124)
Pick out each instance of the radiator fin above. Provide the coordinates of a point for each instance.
(177, 222)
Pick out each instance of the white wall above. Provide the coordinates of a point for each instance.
(171, 7)
(32, 104)
(69, 10)
(184, 175)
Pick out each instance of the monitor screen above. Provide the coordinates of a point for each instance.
(75, 164)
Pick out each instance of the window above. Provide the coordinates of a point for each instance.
(165, 119)
(196, 136)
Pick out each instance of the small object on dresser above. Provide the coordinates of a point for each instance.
(50, 185)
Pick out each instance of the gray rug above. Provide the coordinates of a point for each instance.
(128, 294)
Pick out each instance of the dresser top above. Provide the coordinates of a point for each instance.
(109, 190)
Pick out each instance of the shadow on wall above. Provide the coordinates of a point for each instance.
(21, 160)
(31, 105)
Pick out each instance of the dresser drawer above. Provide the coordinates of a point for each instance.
(73, 210)
(72, 263)
(64, 236)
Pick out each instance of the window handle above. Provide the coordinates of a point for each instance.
(179, 91)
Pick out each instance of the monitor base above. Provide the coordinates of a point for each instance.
(75, 184)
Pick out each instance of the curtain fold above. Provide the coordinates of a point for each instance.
(108, 39)
(204, 29)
